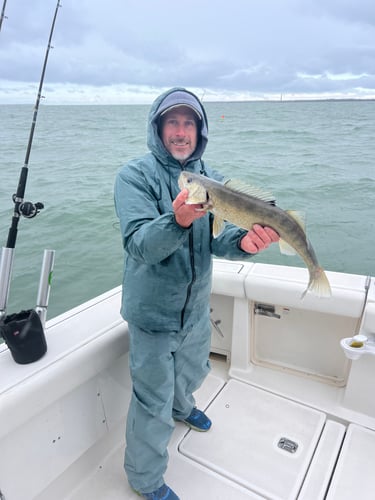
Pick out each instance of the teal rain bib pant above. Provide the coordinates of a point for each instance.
(166, 368)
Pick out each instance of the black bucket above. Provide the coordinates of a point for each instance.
(23, 333)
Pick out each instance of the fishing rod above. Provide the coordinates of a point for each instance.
(28, 209)
(2, 15)
(23, 332)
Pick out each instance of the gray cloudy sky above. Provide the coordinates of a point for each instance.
(127, 51)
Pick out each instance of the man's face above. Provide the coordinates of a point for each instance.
(179, 132)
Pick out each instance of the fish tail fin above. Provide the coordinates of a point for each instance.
(318, 284)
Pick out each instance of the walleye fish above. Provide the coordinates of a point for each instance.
(245, 206)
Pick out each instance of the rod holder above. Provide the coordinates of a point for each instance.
(45, 285)
(6, 265)
(23, 332)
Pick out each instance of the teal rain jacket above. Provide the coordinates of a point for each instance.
(167, 273)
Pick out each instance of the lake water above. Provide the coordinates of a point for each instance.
(316, 157)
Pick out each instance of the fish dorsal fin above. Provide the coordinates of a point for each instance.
(256, 192)
(299, 217)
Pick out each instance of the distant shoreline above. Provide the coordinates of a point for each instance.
(281, 101)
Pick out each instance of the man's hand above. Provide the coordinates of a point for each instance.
(184, 214)
(259, 238)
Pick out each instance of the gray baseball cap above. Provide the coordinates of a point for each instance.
(180, 98)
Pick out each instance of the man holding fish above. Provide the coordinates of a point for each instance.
(169, 239)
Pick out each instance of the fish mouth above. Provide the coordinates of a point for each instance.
(205, 205)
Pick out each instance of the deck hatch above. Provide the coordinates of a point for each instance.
(354, 474)
(257, 435)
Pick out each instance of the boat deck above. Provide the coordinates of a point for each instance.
(293, 418)
(260, 446)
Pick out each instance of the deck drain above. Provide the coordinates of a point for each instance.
(287, 445)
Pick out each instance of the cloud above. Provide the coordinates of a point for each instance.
(243, 48)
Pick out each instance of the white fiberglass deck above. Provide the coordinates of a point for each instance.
(239, 458)
(277, 379)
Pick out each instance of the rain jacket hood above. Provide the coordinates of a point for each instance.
(174, 97)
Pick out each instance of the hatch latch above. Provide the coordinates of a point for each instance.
(287, 445)
(266, 310)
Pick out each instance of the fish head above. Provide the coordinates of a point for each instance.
(192, 182)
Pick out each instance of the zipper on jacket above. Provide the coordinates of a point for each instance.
(193, 276)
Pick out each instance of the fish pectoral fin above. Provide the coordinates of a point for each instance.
(299, 217)
(285, 248)
(218, 226)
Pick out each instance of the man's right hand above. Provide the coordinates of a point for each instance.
(185, 214)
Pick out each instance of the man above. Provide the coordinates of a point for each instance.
(167, 282)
